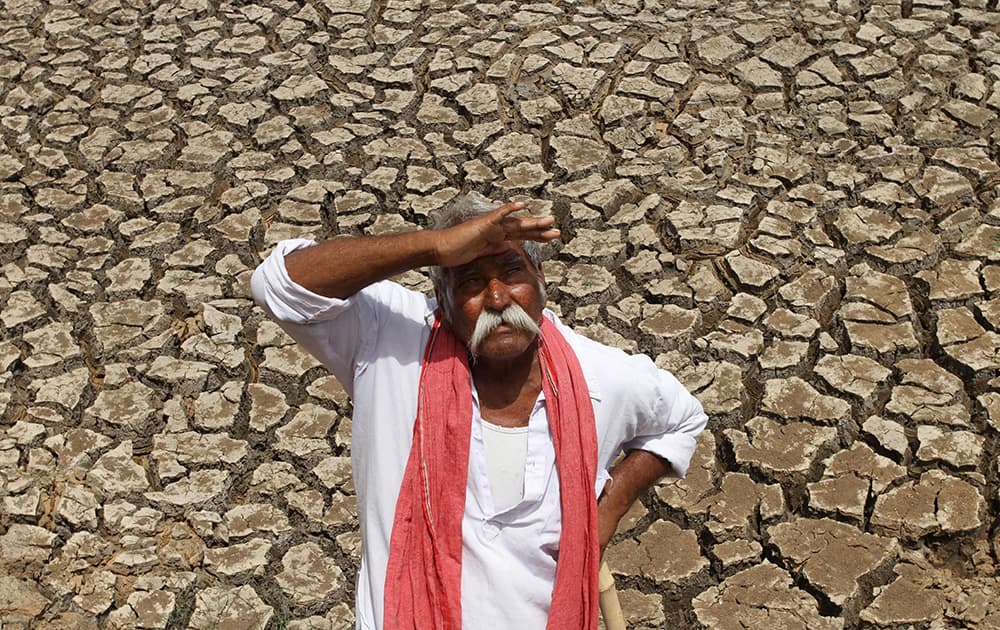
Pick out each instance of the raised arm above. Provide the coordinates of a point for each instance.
(341, 267)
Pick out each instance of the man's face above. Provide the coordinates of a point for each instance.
(493, 283)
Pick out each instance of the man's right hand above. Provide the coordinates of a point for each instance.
(489, 234)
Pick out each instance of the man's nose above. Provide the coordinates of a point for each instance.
(497, 295)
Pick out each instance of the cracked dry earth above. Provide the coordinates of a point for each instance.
(792, 205)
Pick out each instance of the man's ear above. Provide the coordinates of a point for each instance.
(442, 304)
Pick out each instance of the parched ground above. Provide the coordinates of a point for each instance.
(792, 205)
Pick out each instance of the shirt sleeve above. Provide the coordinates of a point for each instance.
(673, 426)
(638, 406)
(283, 299)
(341, 333)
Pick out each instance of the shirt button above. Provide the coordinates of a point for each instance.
(490, 530)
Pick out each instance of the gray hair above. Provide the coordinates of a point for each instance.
(460, 210)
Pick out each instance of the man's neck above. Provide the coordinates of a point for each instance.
(508, 388)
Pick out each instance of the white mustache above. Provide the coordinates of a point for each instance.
(489, 320)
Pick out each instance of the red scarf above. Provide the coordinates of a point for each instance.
(423, 581)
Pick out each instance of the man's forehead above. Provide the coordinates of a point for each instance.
(513, 252)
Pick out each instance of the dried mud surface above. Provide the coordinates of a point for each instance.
(792, 205)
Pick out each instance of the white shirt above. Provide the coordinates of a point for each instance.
(373, 343)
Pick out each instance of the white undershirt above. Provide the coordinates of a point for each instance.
(506, 454)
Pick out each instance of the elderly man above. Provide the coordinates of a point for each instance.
(485, 431)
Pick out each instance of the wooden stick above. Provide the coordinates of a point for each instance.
(611, 608)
